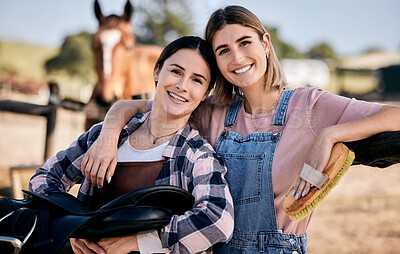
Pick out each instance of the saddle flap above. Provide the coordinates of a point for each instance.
(173, 198)
(61, 200)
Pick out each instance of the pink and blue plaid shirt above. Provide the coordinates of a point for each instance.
(192, 165)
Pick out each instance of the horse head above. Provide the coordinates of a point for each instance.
(113, 46)
(124, 69)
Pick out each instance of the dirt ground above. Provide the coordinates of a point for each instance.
(361, 215)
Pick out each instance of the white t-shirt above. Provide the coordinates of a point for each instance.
(127, 153)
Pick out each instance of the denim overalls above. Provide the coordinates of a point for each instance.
(249, 162)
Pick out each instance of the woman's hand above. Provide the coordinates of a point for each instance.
(100, 160)
(83, 246)
(116, 245)
(317, 157)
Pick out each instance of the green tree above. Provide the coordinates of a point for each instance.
(322, 51)
(162, 21)
(283, 49)
(75, 58)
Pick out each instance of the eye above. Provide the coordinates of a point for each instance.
(244, 43)
(223, 51)
(176, 71)
(197, 81)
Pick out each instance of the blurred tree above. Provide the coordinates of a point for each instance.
(373, 50)
(322, 51)
(75, 58)
(161, 21)
(283, 49)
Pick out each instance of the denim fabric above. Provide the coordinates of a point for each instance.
(249, 162)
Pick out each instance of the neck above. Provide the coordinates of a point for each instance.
(258, 102)
(159, 129)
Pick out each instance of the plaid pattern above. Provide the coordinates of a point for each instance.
(192, 164)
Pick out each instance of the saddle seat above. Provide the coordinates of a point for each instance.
(57, 216)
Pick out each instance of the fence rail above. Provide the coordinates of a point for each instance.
(48, 111)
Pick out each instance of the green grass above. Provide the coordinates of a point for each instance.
(27, 62)
(23, 60)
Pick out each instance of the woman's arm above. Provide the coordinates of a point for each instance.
(62, 171)
(386, 119)
(210, 221)
(102, 156)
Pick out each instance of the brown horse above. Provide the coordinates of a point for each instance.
(124, 69)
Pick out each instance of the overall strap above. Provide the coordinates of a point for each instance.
(280, 113)
(232, 114)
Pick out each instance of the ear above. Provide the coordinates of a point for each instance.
(266, 40)
(128, 10)
(97, 12)
(156, 73)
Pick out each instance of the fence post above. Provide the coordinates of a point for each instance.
(51, 117)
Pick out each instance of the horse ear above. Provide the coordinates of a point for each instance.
(128, 10)
(97, 11)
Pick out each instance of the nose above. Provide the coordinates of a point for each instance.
(182, 85)
(237, 56)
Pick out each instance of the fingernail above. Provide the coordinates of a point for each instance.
(297, 196)
(98, 187)
(304, 193)
(109, 180)
(293, 192)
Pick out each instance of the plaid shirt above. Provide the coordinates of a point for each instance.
(192, 165)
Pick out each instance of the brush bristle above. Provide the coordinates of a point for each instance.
(308, 209)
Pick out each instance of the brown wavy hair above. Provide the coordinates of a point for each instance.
(226, 92)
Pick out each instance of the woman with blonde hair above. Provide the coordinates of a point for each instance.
(263, 132)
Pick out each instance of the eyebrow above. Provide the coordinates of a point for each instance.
(238, 40)
(197, 75)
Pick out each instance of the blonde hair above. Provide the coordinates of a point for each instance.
(224, 91)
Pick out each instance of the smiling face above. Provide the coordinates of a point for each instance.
(182, 83)
(241, 55)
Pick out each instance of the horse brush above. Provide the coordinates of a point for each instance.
(339, 162)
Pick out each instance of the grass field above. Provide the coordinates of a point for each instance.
(24, 60)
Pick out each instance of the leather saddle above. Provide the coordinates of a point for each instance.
(43, 223)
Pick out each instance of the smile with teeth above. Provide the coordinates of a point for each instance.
(242, 70)
(176, 97)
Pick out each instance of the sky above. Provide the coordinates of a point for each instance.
(349, 26)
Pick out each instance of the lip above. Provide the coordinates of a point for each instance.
(176, 97)
(242, 69)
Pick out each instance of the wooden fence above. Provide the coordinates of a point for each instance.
(49, 112)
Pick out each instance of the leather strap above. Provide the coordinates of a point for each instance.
(313, 176)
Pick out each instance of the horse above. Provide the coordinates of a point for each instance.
(124, 69)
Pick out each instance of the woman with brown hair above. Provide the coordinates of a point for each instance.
(158, 148)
